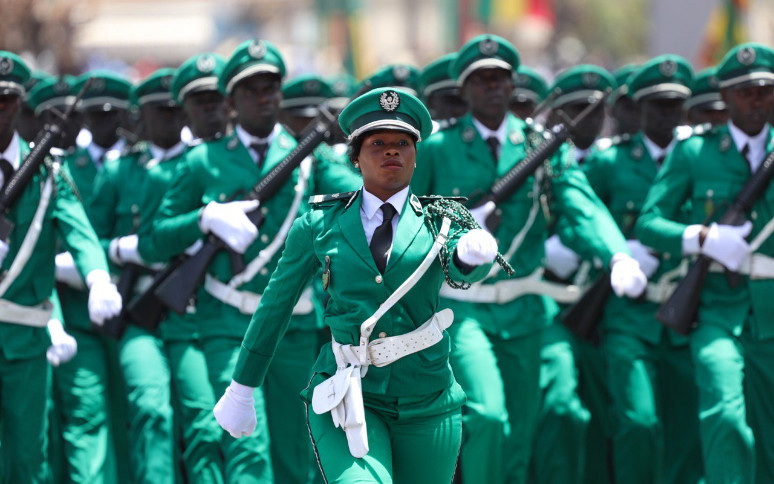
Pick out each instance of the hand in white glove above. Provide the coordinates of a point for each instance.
(66, 272)
(727, 245)
(63, 346)
(104, 299)
(229, 222)
(482, 212)
(3, 251)
(559, 259)
(235, 411)
(123, 250)
(626, 277)
(476, 247)
(648, 262)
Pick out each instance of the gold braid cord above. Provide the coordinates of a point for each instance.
(458, 214)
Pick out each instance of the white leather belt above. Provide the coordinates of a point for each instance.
(508, 290)
(659, 292)
(34, 316)
(757, 266)
(247, 302)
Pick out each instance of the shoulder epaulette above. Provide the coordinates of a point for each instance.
(603, 143)
(427, 199)
(702, 129)
(447, 123)
(331, 197)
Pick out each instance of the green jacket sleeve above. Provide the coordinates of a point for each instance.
(103, 203)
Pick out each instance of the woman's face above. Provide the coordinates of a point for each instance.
(387, 160)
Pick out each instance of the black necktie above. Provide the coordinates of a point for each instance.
(746, 154)
(494, 147)
(660, 160)
(7, 169)
(260, 150)
(382, 238)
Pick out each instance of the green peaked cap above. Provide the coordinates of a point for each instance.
(54, 92)
(197, 73)
(529, 85)
(581, 83)
(705, 91)
(622, 76)
(108, 90)
(305, 90)
(251, 58)
(435, 76)
(485, 51)
(386, 108)
(35, 77)
(664, 77)
(404, 76)
(747, 64)
(155, 89)
(14, 74)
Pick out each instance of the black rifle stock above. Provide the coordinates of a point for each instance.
(679, 311)
(508, 184)
(176, 290)
(146, 311)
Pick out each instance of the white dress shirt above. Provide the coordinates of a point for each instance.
(371, 213)
(161, 154)
(12, 153)
(501, 133)
(655, 150)
(247, 139)
(96, 152)
(757, 143)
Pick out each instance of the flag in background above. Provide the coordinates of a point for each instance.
(725, 29)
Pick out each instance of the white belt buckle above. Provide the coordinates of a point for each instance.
(246, 304)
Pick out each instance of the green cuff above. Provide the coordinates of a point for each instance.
(251, 368)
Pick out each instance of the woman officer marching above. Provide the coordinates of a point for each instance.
(379, 249)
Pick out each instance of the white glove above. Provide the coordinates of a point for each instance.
(66, 272)
(123, 250)
(482, 212)
(559, 259)
(648, 262)
(229, 222)
(3, 251)
(63, 346)
(194, 248)
(104, 299)
(235, 411)
(476, 247)
(626, 277)
(727, 245)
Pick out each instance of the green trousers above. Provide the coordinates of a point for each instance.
(84, 396)
(23, 420)
(734, 376)
(559, 450)
(288, 374)
(402, 450)
(247, 459)
(193, 402)
(653, 391)
(501, 380)
(146, 376)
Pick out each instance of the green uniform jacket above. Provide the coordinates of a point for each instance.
(457, 161)
(705, 173)
(220, 170)
(335, 230)
(83, 171)
(622, 175)
(65, 218)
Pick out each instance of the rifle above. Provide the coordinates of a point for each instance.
(679, 312)
(44, 141)
(177, 288)
(146, 311)
(583, 317)
(509, 183)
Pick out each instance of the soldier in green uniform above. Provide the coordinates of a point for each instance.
(48, 99)
(46, 209)
(623, 110)
(301, 99)
(732, 343)
(530, 88)
(571, 441)
(705, 106)
(498, 334)
(115, 215)
(197, 203)
(88, 387)
(399, 409)
(27, 123)
(440, 92)
(649, 369)
(195, 90)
